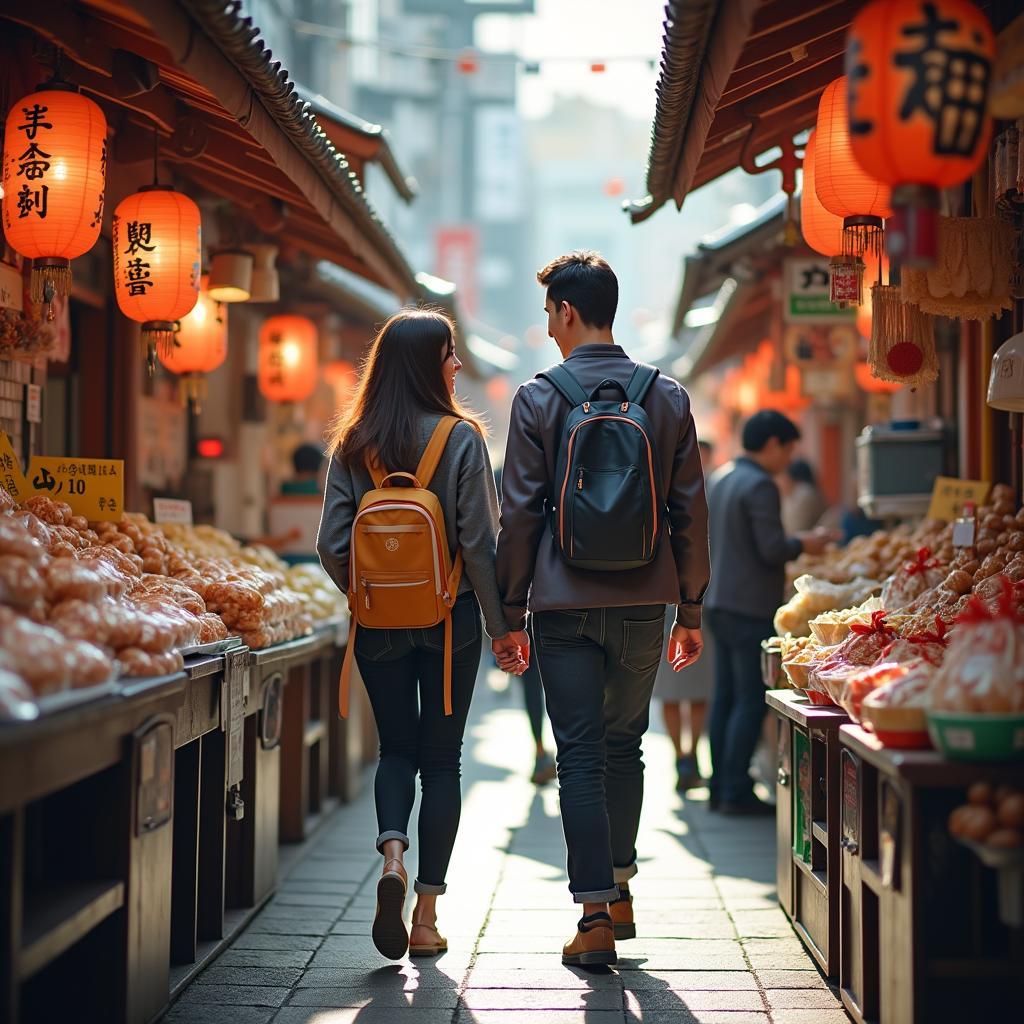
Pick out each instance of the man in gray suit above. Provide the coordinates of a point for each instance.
(749, 552)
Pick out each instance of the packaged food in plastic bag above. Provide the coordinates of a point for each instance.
(814, 596)
(983, 671)
(912, 579)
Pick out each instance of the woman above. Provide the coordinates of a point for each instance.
(408, 385)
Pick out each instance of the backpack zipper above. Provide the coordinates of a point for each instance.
(565, 482)
(367, 584)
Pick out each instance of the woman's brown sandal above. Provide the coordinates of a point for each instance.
(435, 946)
(389, 932)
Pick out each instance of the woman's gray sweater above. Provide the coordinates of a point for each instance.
(463, 483)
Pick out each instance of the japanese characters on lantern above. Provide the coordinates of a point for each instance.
(157, 251)
(287, 358)
(54, 176)
(918, 75)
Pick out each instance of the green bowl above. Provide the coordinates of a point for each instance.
(975, 737)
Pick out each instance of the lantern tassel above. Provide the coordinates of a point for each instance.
(192, 391)
(158, 335)
(902, 339)
(50, 279)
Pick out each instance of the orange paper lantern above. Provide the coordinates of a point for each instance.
(822, 230)
(343, 378)
(157, 249)
(841, 184)
(288, 358)
(199, 347)
(53, 181)
(918, 80)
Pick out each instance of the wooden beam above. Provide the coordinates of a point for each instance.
(768, 73)
(803, 31)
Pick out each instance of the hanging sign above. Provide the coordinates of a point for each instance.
(94, 488)
(806, 294)
(949, 496)
(11, 476)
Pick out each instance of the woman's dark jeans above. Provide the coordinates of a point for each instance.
(738, 707)
(403, 670)
(598, 667)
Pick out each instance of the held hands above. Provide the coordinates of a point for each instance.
(684, 647)
(512, 652)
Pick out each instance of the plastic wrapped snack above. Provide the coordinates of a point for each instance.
(36, 653)
(814, 596)
(984, 666)
(896, 709)
(912, 579)
(861, 682)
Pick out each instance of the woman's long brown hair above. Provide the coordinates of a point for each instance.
(402, 379)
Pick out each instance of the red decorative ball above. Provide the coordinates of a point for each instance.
(906, 358)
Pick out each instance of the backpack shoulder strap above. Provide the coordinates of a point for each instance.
(565, 383)
(435, 449)
(640, 382)
(377, 472)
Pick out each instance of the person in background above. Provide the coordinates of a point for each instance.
(803, 504)
(686, 692)
(749, 552)
(307, 461)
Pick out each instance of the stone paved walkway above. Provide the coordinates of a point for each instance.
(712, 945)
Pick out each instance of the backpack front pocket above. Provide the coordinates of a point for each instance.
(609, 516)
(384, 598)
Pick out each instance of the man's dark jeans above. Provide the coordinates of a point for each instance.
(738, 707)
(598, 667)
(403, 670)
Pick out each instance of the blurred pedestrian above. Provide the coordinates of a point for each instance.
(803, 504)
(685, 695)
(749, 552)
(631, 506)
(405, 399)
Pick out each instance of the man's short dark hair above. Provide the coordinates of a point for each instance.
(801, 471)
(307, 458)
(584, 280)
(766, 424)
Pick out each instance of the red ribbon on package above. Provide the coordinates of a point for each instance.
(876, 626)
(923, 563)
(940, 636)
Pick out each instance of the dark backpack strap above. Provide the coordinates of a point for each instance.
(565, 383)
(640, 383)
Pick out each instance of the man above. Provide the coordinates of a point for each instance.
(599, 633)
(749, 552)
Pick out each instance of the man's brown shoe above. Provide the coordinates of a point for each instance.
(594, 942)
(622, 915)
(389, 934)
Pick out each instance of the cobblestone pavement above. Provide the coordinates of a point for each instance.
(712, 944)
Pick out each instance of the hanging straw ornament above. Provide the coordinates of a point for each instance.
(973, 277)
(902, 346)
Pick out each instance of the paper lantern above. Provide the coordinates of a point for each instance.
(199, 346)
(918, 74)
(822, 230)
(53, 181)
(157, 249)
(842, 186)
(288, 358)
(343, 378)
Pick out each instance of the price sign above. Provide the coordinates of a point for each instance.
(949, 496)
(94, 488)
(172, 510)
(11, 476)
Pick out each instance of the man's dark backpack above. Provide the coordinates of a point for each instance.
(607, 511)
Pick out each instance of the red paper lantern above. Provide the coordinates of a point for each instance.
(157, 250)
(199, 347)
(822, 230)
(842, 186)
(288, 358)
(918, 81)
(53, 181)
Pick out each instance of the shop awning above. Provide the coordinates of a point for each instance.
(362, 142)
(736, 75)
(229, 116)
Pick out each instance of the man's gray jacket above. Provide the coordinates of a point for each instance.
(749, 548)
(531, 574)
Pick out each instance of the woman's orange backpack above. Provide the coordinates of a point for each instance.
(401, 574)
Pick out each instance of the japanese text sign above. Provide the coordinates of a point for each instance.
(94, 488)
(950, 495)
(11, 476)
(807, 295)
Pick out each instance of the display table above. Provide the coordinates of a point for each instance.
(807, 821)
(920, 931)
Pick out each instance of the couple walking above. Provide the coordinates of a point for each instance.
(603, 522)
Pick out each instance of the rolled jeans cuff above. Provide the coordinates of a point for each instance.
(626, 873)
(598, 896)
(386, 837)
(425, 889)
